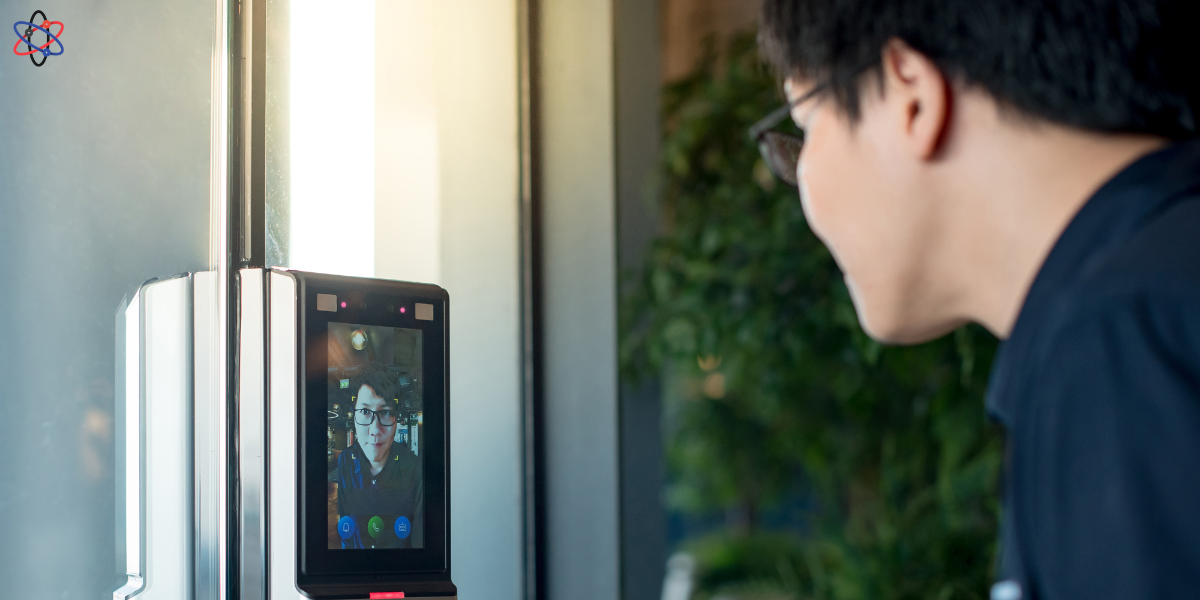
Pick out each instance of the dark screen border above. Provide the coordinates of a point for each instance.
(315, 558)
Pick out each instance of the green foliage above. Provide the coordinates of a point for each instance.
(770, 382)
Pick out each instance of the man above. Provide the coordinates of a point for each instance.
(1028, 166)
(375, 477)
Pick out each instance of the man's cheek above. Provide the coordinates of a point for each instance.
(818, 198)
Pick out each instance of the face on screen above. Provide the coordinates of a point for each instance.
(376, 477)
(374, 424)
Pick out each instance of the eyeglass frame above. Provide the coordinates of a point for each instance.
(758, 133)
(375, 415)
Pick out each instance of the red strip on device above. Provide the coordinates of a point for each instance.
(383, 595)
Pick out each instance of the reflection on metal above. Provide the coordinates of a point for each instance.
(218, 145)
(157, 442)
(132, 587)
(246, 12)
(211, 431)
(129, 447)
(250, 434)
(281, 421)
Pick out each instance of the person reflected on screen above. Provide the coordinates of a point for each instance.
(373, 478)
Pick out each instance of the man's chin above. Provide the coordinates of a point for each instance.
(888, 318)
(375, 454)
(893, 329)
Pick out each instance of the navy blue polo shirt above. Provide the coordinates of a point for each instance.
(1098, 387)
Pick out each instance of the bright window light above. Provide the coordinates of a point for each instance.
(332, 96)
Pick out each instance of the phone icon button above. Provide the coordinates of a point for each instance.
(375, 526)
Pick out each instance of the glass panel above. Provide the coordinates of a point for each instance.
(352, 140)
(105, 170)
(332, 97)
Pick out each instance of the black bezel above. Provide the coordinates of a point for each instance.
(321, 570)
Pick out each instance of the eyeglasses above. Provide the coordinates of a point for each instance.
(781, 151)
(366, 416)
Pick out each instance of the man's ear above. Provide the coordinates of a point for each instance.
(918, 91)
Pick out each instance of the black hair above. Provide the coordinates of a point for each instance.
(380, 379)
(1114, 66)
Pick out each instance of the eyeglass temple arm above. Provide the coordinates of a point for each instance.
(766, 123)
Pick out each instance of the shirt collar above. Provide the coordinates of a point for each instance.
(360, 456)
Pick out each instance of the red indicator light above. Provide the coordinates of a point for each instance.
(375, 595)
(401, 309)
(343, 305)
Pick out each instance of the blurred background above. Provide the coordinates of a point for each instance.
(660, 389)
(803, 460)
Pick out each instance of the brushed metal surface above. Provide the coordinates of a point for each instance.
(158, 491)
(211, 460)
(251, 433)
(282, 455)
(129, 446)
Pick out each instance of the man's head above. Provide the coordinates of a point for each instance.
(375, 411)
(934, 108)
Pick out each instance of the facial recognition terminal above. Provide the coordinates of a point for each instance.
(369, 408)
(319, 469)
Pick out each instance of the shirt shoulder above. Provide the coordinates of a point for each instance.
(1151, 281)
(1099, 387)
(1161, 258)
(1105, 456)
(1108, 444)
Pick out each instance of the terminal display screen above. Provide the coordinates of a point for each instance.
(376, 483)
(374, 427)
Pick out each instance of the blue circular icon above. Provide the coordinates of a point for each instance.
(403, 527)
(346, 527)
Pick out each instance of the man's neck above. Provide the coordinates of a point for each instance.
(1025, 188)
(377, 467)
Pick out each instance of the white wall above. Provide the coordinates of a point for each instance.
(478, 162)
(446, 212)
(579, 254)
(407, 173)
